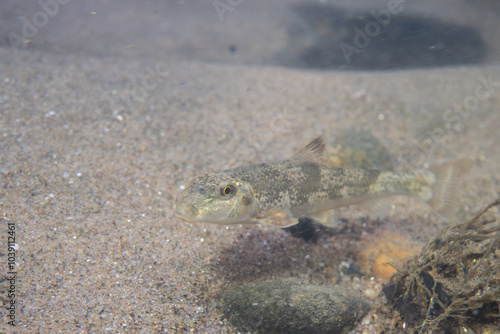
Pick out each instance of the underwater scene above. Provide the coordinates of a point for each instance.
(237, 166)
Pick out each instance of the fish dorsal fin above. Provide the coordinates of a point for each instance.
(313, 152)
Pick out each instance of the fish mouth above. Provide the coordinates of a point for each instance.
(184, 217)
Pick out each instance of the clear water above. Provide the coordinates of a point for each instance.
(109, 108)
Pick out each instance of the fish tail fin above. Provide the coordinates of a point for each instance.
(444, 189)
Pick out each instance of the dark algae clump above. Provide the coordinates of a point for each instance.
(455, 281)
(288, 307)
(322, 36)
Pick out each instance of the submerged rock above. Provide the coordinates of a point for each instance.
(288, 307)
(379, 253)
(355, 148)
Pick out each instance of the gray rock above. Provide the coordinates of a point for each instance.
(288, 307)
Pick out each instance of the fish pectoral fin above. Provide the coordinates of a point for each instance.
(313, 152)
(280, 219)
(326, 218)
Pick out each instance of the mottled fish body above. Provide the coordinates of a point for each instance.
(281, 193)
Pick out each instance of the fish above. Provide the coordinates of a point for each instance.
(308, 186)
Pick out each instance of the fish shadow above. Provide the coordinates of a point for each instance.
(307, 250)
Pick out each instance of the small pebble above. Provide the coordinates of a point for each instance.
(370, 293)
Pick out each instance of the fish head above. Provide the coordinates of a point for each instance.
(216, 198)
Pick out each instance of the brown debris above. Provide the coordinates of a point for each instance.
(455, 281)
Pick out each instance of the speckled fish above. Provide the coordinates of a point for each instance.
(306, 186)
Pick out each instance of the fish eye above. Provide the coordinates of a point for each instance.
(227, 190)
